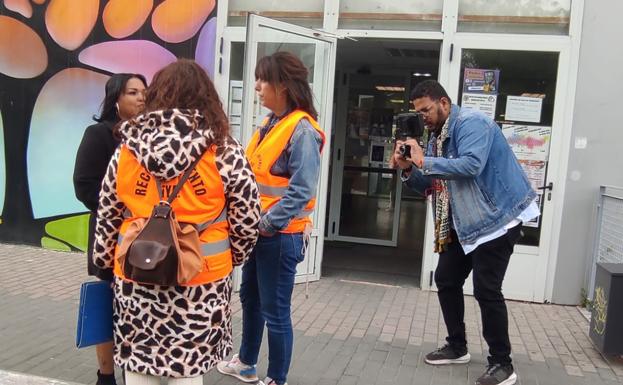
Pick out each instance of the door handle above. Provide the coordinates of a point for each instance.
(550, 187)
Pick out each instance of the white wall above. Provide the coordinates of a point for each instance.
(598, 117)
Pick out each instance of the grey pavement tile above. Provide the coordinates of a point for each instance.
(364, 334)
(348, 380)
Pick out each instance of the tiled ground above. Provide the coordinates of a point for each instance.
(347, 332)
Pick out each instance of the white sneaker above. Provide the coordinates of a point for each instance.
(235, 368)
(269, 381)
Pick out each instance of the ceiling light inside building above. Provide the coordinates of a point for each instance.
(390, 88)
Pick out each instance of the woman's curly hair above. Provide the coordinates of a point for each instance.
(185, 84)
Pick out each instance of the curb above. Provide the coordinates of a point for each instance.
(14, 378)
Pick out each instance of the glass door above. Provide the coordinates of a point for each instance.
(522, 90)
(317, 51)
(366, 191)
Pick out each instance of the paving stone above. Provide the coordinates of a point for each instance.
(345, 332)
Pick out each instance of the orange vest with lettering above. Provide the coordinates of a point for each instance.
(262, 156)
(201, 201)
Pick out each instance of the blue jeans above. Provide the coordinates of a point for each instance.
(265, 294)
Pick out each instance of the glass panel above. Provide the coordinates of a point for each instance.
(517, 89)
(368, 184)
(515, 16)
(307, 13)
(234, 104)
(423, 15)
(367, 203)
(304, 51)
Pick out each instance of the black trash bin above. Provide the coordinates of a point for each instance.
(607, 312)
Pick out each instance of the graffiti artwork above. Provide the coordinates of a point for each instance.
(599, 310)
(55, 57)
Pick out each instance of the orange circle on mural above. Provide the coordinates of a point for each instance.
(22, 52)
(122, 18)
(69, 22)
(175, 21)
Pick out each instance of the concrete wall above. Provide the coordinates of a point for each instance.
(597, 116)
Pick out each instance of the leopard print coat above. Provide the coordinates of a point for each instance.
(165, 330)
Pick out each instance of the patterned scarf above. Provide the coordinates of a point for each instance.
(441, 198)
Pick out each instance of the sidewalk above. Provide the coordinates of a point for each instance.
(346, 332)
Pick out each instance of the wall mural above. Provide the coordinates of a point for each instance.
(55, 57)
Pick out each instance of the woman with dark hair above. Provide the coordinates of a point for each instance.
(285, 156)
(178, 332)
(124, 98)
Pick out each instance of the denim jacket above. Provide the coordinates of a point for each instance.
(487, 186)
(300, 162)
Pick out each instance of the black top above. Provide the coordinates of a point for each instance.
(96, 148)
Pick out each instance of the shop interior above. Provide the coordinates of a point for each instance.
(374, 230)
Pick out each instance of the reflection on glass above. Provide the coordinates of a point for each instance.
(307, 13)
(530, 16)
(423, 15)
(519, 94)
(367, 204)
(368, 184)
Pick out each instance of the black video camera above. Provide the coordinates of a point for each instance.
(408, 125)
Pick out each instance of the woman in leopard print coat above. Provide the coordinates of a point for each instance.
(177, 331)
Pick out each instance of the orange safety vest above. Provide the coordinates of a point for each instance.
(201, 201)
(262, 156)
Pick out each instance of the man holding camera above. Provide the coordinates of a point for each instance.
(481, 196)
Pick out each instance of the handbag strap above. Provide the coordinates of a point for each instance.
(179, 185)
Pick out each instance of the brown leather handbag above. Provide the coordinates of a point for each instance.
(159, 250)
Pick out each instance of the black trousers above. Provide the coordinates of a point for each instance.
(488, 263)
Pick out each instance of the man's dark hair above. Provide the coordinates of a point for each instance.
(430, 88)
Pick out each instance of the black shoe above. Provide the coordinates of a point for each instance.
(105, 379)
(447, 355)
(498, 374)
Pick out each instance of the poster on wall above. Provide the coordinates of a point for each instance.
(523, 109)
(481, 81)
(528, 142)
(480, 102)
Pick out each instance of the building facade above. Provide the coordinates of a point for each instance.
(541, 68)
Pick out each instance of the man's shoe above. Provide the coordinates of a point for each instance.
(235, 368)
(447, 355)
(498, 374)
(269, 381)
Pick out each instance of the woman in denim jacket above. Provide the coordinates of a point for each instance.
(480, 198)
(285, 157)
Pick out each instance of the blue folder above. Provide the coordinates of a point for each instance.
(94, 314)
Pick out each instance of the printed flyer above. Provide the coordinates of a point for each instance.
(481, 81)
(528, 142)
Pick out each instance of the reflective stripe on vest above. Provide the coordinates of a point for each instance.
(207, 248)
(221, 218)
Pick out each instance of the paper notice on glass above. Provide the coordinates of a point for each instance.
(480, 102)
(481, 81)
(535, 221)
(528, 142)
(523, 109)
(535, 171)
